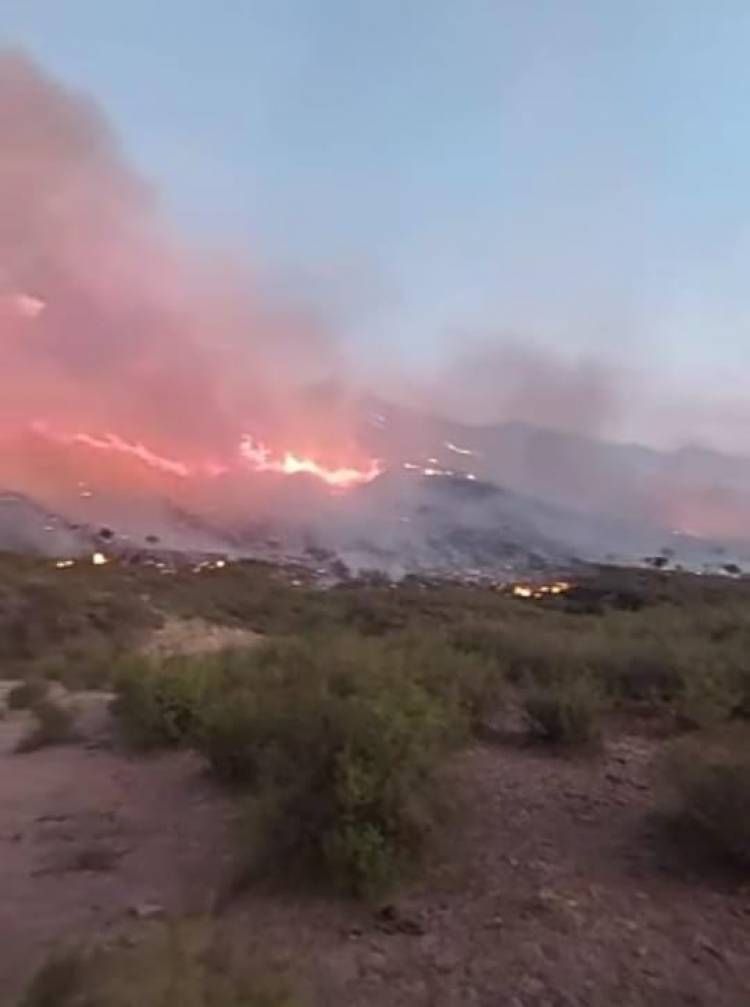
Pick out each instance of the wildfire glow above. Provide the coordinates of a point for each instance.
(257, 455)
(113, 443)
(99, 559)
(262, 460)
(457, 450)
(540, 590)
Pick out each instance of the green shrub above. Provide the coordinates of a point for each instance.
(711, 693)
(339, 744)
(27, 694)
(160, 703)
(471, 681)
(708, 781)
(565, 712)
(641, 670)
(54, 726)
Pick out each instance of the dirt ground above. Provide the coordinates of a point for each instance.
(549, 887)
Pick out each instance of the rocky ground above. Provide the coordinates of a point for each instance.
(549, 887)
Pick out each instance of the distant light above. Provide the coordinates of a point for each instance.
(63, 564)
(220, 564)
(99, 559)
(457, 450)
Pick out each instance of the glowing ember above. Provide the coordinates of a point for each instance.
(540, 590)
(262, 460)
(457, 450)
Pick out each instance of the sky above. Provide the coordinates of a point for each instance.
(565, 175)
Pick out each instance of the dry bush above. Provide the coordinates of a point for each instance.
(180, 963)
(707, 777)
(54, 726)
(565, 712)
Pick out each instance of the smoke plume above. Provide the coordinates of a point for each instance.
(109, 325)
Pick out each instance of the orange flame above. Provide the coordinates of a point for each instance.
(262, 460)
(255, 453)
(111, 442)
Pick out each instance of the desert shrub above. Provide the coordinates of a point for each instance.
(471, 682)
(708, 782)
(485, 639)
(711, 693)
(58, 983)
(43, 612)
(54, 726)
(181, 962)
(563, 712)
(160, 703)
(27, 694)
(642, 671)
(338, 742)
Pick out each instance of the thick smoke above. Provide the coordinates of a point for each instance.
(108, 324)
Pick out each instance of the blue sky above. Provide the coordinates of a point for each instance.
(568, 173)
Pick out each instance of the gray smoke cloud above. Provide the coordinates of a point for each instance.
(107, 321)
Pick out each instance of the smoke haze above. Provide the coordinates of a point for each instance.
(160, 361)
(107, 323)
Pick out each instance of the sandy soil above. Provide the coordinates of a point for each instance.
(548, 888)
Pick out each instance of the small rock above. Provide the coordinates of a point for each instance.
(147, 910)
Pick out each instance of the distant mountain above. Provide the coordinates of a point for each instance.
(691, 491)
(451, 497)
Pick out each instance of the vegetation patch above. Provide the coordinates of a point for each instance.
(176, 963)
(566, 712)
(708, 784)
(53, 726)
